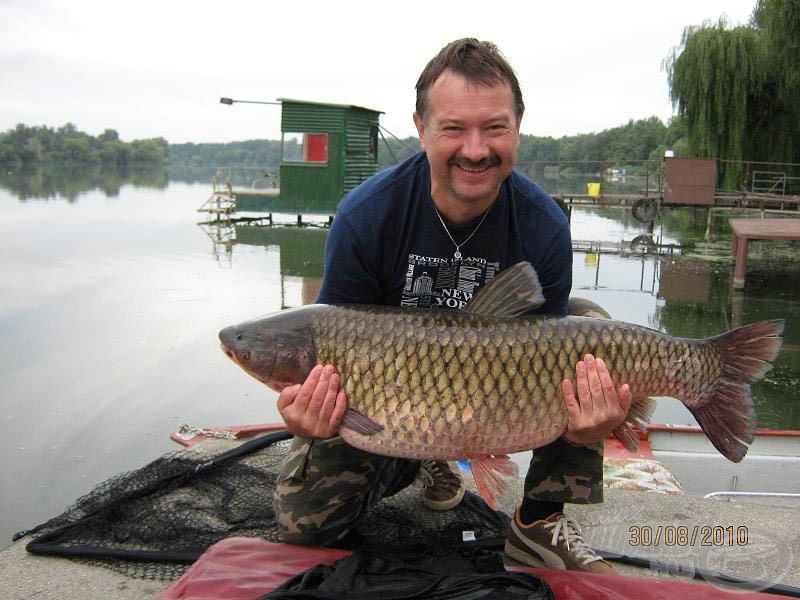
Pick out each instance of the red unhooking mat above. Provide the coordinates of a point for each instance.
(246, 568)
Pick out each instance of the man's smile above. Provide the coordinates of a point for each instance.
(475, 167)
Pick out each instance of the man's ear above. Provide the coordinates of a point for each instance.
(420, 124)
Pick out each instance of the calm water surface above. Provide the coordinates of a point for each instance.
(111, 297)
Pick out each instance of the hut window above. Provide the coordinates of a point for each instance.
(315, 147)
(305, 147)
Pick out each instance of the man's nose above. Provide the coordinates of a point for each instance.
(474, 147)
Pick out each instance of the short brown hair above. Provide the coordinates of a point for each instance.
(477, 62)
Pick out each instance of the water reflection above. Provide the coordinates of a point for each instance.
(69, 182)
(301, 252)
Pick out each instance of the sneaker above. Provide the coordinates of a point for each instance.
(443, 488)
(555, 543)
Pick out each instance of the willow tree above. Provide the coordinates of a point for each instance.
(779, 23)
(737, 88)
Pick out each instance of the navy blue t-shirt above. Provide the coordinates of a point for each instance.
(387, 246)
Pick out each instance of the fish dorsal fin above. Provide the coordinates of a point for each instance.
(514, 291)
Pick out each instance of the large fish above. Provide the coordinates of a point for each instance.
(485, 381)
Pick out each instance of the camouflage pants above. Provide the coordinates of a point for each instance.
(325, 487)
(561, 472)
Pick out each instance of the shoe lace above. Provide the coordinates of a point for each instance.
(428, 473)
(567, 529)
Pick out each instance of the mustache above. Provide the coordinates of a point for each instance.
(484, 163)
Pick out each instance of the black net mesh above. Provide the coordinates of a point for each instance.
(155, 521)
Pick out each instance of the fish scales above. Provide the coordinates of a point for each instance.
(451, 384)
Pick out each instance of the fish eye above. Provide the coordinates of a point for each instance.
(244, 355)
(238, 335)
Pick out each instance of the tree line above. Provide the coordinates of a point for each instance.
(26, 146)
(638, 140)
(255, 153)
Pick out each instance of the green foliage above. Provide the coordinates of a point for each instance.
(392, 151)
(779, 20)
(261, 153)
(26, 146)
(738, 89)
(634, 141)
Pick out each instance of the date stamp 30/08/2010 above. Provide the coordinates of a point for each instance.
(688, 536)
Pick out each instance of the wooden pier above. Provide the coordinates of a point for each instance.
(647, 206)
(745, 230)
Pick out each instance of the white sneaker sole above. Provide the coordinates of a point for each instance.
(444, 504)
(523, 557)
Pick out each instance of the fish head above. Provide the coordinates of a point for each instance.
(277, 349)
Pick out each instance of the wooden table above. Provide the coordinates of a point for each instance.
(745, 230)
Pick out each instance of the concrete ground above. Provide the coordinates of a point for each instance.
(682, 533)
(749, 541)
(766, 546)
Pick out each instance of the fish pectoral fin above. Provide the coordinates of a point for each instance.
(491, 475)
(641, 412)
(514, 291)
(627, 436)
(360, 423)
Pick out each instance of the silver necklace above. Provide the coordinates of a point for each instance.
(457, 253)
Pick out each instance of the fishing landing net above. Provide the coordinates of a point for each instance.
(152, 523)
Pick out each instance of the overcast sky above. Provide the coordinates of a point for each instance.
(158, 68)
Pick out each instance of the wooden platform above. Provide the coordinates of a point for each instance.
(745, 230)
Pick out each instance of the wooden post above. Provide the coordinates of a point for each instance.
(709, 224)
(739, 251)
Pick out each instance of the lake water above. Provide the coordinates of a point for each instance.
(111, 297)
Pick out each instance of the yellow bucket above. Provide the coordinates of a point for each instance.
(593, 189)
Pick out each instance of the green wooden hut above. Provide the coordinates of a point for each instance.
(328, 149)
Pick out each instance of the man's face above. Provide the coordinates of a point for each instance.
(471, 136)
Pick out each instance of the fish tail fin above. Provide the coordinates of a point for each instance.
(639, 414)
(727, 415)
(492, 475)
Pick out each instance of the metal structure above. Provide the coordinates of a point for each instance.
(680, 183)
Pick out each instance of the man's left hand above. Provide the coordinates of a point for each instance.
(599, 407)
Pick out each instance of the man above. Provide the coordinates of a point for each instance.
(429, 233)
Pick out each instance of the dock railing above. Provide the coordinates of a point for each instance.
(227, 180)
(582, 177)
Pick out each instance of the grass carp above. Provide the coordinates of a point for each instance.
(486, 380)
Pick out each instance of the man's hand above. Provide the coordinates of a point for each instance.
(599, 407)
(314, 409)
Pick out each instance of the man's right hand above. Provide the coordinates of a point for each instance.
(314, 409)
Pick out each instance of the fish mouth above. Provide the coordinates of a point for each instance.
(250, 371)
(229, 353)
